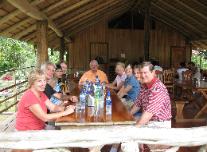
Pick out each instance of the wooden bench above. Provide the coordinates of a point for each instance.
(8, 125)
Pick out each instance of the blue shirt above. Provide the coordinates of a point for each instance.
(134, 92)
(53, 99)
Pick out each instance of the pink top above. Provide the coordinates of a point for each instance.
(154, 98)
(120, 79)
(25, 119)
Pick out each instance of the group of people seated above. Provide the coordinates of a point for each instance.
(137, 87)
(44, 100)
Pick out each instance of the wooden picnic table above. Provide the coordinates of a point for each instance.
(120, 115)
(199, 86)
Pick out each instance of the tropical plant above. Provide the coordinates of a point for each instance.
(15, 54)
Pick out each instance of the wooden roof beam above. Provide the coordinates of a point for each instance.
(70, 8)
(17, 12)
(96, 8)
(191, 9)
(28, 19)
(177, 19)
(203, 42)
(100, 11)
(95, 19)
(32, 28)
(171, 24)
(182, 13)
(85, 6)
(33, 12)
(98, 17)
(200, 45)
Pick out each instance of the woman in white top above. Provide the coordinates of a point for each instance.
(120, 78)
(181, 69)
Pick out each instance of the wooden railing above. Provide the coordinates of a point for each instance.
(11, 89)
(98, 136)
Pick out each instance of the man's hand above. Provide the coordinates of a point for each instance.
(145, 118)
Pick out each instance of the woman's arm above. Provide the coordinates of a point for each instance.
(54, 108)
(39, 113)
(63, 97)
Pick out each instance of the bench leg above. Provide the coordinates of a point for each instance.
(179, 107)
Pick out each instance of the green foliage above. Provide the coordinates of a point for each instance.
(199, 58)
(53, 55)
(15, 54)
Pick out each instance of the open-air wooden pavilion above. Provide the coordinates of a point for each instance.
(113, 30)
(108, 28)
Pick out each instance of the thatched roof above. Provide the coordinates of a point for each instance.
(67, 17)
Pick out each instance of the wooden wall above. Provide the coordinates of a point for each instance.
(130, 42)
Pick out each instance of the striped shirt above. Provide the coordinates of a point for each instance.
(154, 98)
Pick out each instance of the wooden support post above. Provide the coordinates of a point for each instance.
(62, 49)
(70, 60)
(147, 29)
(67, 56)
(42, 42)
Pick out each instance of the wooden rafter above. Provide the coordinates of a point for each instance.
(99, 16)
(53, 16)
(17, 12)
(199, 44)
(200, 4)
(191, 9)
(176, 10)
(33, 12)
(178, 20)
(71, 8)
(75, 11)
(28, 19)
(100, 11)
(168, 22)
(31, 29)
(172, 21)
(96, 8)
(136, 5)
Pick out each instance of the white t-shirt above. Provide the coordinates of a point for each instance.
(180, 71)
(120, 79)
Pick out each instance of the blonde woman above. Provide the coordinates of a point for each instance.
(120, 78)
(32, 108)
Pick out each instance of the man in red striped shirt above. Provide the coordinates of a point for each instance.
(153, 100)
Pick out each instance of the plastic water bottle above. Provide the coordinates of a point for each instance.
(82, 99)
(108, 104)
(97, 81)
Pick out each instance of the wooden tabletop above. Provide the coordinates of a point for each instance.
(199, 85)
(120, 115)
